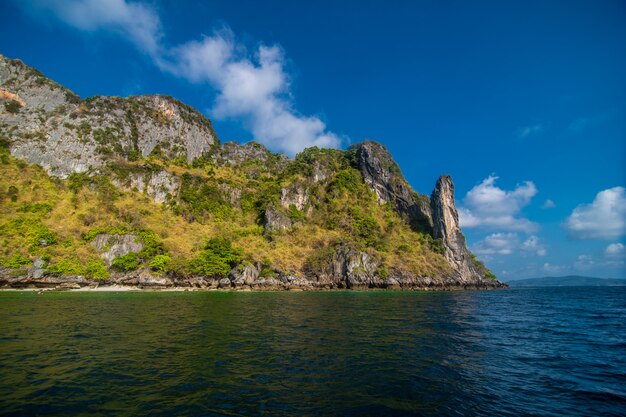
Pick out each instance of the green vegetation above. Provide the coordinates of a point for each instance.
(212, 223)
(126, 263)
(17, 260)
(481, 267)
(160, 263)
(12, 107)
(216, 260)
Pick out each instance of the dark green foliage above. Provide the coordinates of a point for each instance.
(304, 162)
(36, 208)
(296, 215)
(36, 233)
(13, 193)
(347, 180)
(12, 107)
(65, 266)
(160, 263)
(216, 260)
(133, 155)
(267, 271)
(77, 180)
(178, 267)
(436, 245)
(367, 230)
(151, 246)
(203, 161)
(269, 194)
(199, 198)
(382, 272)
(209, 264)
(126, 263)
(96, 269)
(5, 144)
(224, 249)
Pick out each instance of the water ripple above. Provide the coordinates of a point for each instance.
(516, 352)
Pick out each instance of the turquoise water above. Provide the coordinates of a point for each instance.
(558, 351)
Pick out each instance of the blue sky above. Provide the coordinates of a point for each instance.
(523, 103)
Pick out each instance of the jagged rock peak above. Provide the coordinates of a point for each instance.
(382, 174)
(380, 171)
(446, 227)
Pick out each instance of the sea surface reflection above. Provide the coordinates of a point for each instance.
(510, 352)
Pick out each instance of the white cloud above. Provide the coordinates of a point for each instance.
(252, 87)
(615, 250)
(533, 245)
(489, 206)
(604, 218)
(508, 243)
(255, 90)
(527, 131)
(497, 243)
(548, 204)
(137, 22)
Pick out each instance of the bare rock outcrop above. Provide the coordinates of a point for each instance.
(112, 246)
(382, 174)
(344, 267)
(296, 195)
(274, 220)
(159, 185)
(64, 134)
(446, 227)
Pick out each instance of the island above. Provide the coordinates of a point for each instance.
(140, 192)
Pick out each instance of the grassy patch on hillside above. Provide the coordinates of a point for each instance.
(213, 222)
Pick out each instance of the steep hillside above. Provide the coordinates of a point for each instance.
(139, 191)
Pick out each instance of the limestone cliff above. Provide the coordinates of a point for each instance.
(54, 128)
(384, 177)
(140, 191)
(446, 227)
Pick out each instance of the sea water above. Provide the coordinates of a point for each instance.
(549, 351)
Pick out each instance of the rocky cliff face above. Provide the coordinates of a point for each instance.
(51, 126)
(342, 219)
(436, 215)
(384, 177)
(446, 227)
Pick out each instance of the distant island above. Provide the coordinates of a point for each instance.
(567, 281)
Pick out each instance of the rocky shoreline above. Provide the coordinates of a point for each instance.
(144, 280)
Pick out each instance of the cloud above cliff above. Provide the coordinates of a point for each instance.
(604, 218)
(136, 22)
(255, 90)
(509, 243)
(488, 206)
(251, 87)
